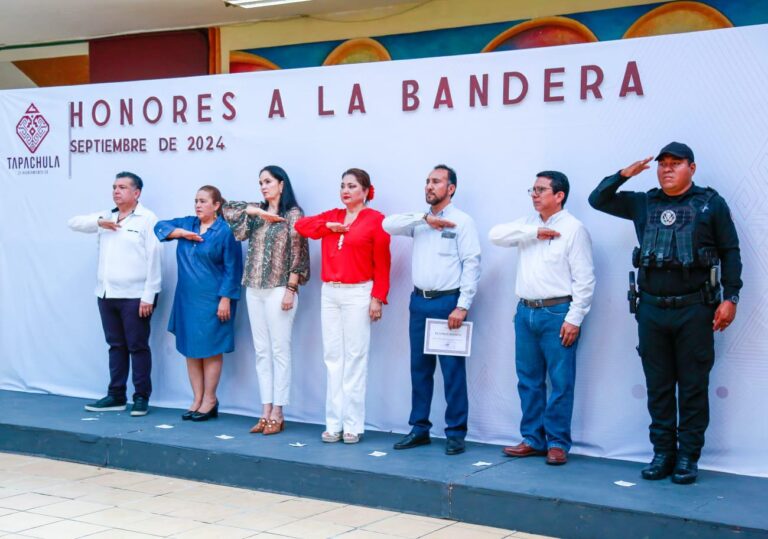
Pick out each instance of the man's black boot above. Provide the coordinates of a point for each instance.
(660, 467)
(686, 471)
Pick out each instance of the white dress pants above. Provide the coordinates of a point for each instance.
(271, 330)
(346, 340)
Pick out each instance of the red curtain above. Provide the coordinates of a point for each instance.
(149, 56)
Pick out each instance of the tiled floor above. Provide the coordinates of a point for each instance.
(50, 499)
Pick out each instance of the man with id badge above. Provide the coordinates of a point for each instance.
(445, 270)
(555, 282)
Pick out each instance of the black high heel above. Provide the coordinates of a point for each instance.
(186, 416)
(213, 413)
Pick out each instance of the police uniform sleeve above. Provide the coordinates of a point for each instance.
(605, 198)
(727, 243)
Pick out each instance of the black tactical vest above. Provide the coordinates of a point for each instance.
(669, 234)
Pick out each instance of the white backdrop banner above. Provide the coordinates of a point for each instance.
(498, 119)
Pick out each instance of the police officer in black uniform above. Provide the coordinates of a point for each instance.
(684, 231)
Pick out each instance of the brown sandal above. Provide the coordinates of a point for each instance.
(273, 427)
(260, 426)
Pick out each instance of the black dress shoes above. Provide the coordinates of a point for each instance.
(660, 467)
(205, 416)
(454, 446)
(186, 416)
(413, 439)
(686, 471)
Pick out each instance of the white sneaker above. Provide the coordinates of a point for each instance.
(331, 437)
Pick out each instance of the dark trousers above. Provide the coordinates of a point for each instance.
(677, 351)
(127, 335)
(423, 370)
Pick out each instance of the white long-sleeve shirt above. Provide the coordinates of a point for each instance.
(129, 258)
(551, 268)
(442, 259)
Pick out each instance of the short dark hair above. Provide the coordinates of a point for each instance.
(137, 183)
(287, 197)
(557, 181)
(452, 179)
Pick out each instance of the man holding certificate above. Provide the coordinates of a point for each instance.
(555, 282)
(445, 269)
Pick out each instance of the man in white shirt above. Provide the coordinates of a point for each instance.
(446, 269)
(128, 281)
(555, 282)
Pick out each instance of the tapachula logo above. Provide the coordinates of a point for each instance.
(32, 128)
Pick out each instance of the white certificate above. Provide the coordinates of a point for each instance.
(440, 340)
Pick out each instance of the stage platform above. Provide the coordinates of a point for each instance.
(579, 500)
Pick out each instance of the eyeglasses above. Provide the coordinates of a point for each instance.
(538, 190)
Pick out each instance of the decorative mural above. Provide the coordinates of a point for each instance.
(355, 51)
(543, 32)
(604, 25)
(242, 62)
(678, 17)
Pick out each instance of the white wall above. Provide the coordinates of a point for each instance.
(710, 95)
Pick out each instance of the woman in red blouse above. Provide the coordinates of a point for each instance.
(355, 274)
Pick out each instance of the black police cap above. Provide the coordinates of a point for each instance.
(677, 149)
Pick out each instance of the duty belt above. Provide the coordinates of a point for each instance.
(672, 302)
(551, 302)
(432, 294)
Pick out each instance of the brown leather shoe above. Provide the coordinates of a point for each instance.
(556, 456)
(273, 426)
(523, 450)
(259, 427)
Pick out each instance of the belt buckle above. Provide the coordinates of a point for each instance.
(424, 294)
(538, 303)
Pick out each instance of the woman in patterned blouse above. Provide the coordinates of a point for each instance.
(276, 264)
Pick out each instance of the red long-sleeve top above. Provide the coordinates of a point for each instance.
(364, 253)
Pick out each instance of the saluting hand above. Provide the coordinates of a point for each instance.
(107, 224)
(255, 211)
(438, 223)
(271, 217)
(338, 228)
(191, 236)
(636, 168)
(547, 234)
(724, 315)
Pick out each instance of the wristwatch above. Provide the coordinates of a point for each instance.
(733, 299)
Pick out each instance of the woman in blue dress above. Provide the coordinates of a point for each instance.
(210, 266)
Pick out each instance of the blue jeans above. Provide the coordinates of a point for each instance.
(538, 351)
(423, 371)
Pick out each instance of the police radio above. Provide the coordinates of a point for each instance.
(632, 295)
(713, 292)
